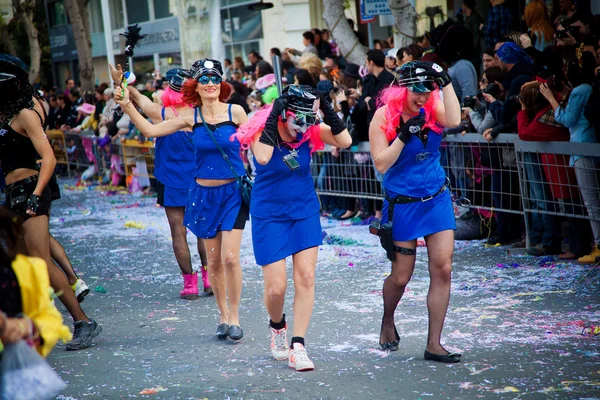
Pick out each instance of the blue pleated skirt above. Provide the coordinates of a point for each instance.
(275, 240)
(210, 210)
(417, 219)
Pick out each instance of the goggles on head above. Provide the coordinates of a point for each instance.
(205, 79)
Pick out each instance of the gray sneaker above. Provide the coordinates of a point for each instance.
(83, 334)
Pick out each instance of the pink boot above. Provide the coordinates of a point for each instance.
(190, 287)
(207, 289)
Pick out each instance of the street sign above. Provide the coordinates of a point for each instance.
(364, 18)
(376, 7)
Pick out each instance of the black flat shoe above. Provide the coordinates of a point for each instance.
(389, 346)
(449, 358)
(235, 332)
(222, 331)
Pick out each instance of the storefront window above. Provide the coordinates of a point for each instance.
(169, 61)
(137, 11)
(95, 12)
(242, 30)
(143, 67)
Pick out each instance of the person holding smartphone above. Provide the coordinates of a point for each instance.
(285, 207)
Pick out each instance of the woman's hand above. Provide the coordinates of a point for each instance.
(597, 70)
(116, 74)
(335, 152)
(547, 92)
(15, 330)
(487, 135)
(489, 98)
(525, 40)
(340, 96)
(121, 96)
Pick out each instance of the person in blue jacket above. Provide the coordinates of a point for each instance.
(174, 165)
(405, 137)
(215, 211)
(285, 207)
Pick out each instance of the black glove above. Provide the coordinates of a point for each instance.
(330, 117)
(270, 134)
(434, 71)
(411, 127)
(33, 203)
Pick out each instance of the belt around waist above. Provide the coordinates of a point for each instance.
(408, 199)
(24, 181)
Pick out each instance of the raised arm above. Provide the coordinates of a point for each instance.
(447, 113)
(333, 131)
(383, 153)
(151, 109)
(149, 130)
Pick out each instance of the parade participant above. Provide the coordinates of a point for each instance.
(22, 139)
(405, 137)
(215, 211)
(174, 164)
(285, 207)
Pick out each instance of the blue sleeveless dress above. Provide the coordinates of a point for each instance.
(174, 166)
(284, 208)
(418, 173)
(209, 209)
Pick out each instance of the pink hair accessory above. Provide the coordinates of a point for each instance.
(265, 82)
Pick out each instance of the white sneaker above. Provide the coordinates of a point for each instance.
(299, 359)
(279, 344)
(80, 289)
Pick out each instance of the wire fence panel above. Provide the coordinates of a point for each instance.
(507, 177)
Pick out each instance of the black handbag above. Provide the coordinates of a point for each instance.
(245, 181)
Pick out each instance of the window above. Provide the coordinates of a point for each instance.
(164, 8)
(95, 12)
(117, 20)
(137, 11)
(57, 14)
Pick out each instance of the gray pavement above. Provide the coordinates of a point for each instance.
(517, 320)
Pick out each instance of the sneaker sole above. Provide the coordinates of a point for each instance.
(282, 358)
(87, 343)
(302, 370)
(81, 296)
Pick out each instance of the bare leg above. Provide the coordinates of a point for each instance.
(275, 280)
(393, 289)
(58, 254)
(440, 247)
(305, 263)
(230, 257)
(216, 275)
(202, 252)
(37, 241)
(179, 236)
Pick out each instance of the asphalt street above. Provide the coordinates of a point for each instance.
(518, 320)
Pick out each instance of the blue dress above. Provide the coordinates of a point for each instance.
(284, 208)
(174, 167)
(418, 173)
(213, 209)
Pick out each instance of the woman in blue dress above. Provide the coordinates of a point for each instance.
(174, 167)
(285, 207)
(405, 137)
(215, 211)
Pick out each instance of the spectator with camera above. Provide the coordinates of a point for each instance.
(579, 68)
(518, 68)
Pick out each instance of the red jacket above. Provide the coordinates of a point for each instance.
(543, 128)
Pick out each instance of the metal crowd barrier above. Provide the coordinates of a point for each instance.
(78, 151)
(517, 179)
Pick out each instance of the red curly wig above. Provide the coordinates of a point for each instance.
(191, 96)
